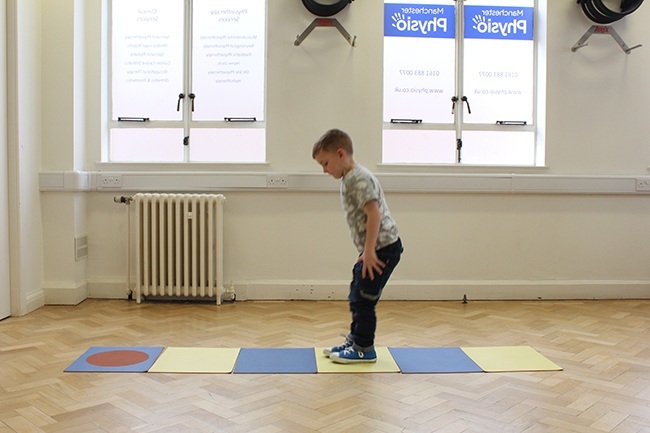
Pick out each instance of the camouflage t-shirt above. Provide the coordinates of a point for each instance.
(358, 187)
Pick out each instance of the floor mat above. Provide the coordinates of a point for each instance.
(433, 360)
(385, 363)
(116, 359)
(509, 358)
(275, 361)
(309, 360)
(195, 360)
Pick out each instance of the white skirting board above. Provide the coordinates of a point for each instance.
(406, 290)
(65, 294)
(34, 301)
(452, 290)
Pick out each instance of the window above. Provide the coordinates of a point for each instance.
(460, 82)
(187, 81)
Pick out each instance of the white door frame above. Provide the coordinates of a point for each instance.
(5, 288)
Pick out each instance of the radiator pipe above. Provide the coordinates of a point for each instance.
(123, 199)
(127, 201)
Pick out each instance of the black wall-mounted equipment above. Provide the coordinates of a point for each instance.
(596, 10)
(325, 10)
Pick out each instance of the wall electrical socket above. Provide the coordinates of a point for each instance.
(110, 181)
(277, 181)
(643, 184)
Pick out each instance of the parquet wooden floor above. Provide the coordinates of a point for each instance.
(604, 347)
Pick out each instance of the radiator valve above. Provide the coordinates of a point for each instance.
(229, 295)
(123, 199)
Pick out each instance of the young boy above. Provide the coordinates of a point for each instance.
(375, 235)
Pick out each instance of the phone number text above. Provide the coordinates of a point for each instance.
(419, 72)
(498, 74)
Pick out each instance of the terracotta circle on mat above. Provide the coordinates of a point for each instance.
(117, 358)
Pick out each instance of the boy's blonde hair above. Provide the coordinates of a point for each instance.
(331, 141)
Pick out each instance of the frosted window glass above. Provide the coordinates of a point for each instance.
(419, 52)
(418, 147)
(228, 59)
(146, 145)
(498, 62)
(228, 145)
(147, 58)
(498, 148)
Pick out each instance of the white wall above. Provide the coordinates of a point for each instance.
(596, 120)
(294, 244)
(64, 79)
(24, 154)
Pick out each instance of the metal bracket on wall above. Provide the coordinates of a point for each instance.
(603, 30)
(326, 22)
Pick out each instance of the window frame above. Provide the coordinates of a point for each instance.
(186, 123)
(460, 125)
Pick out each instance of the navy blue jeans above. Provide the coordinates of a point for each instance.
(365, 293)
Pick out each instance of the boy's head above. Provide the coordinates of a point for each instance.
(333, 151)
(331, 141)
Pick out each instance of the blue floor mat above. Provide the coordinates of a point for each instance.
(276, 361)
(433, 360)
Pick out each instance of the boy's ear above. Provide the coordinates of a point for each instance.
(340, 152)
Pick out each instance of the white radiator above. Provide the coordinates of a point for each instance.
(179, 245)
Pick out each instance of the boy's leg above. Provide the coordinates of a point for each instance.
(362, 328)
(362, 307)
(365, 293)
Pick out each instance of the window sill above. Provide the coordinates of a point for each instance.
(460, 168)
(180, 166)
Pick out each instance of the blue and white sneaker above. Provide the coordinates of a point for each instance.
(353, 355)
(329, 350)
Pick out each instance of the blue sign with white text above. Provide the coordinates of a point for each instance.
(419, 21)
(498, 22)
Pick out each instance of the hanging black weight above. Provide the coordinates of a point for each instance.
(596, 10)
(325, 10)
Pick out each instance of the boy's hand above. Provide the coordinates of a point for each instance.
(371, 265)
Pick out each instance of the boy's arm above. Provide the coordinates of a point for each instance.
(371, 264)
